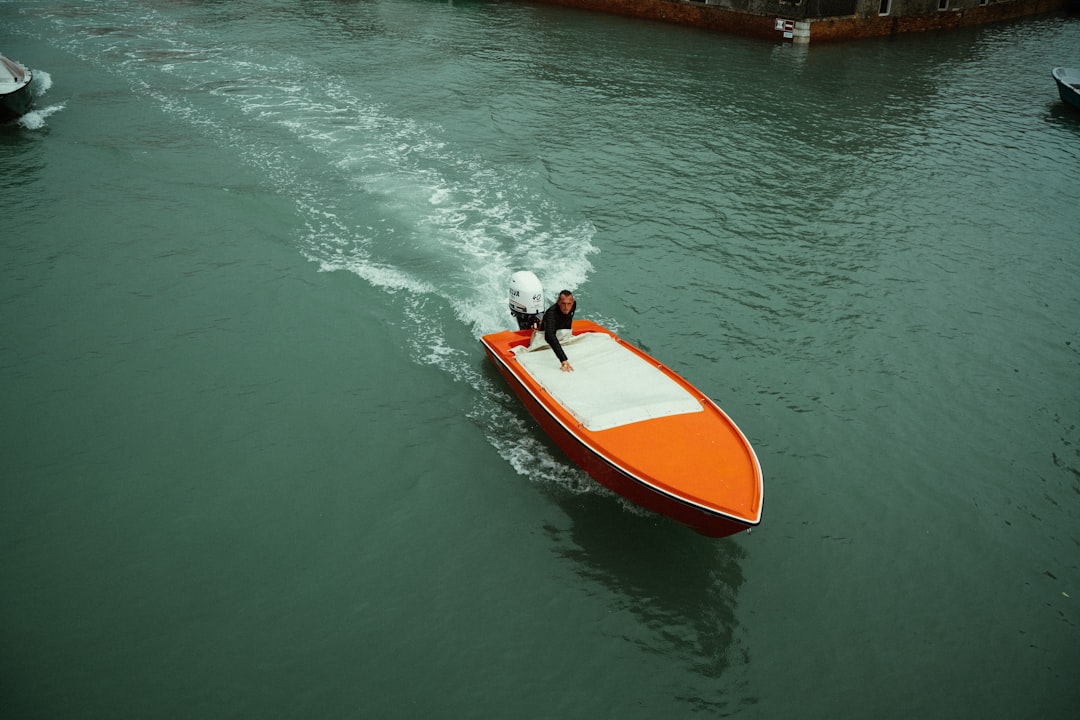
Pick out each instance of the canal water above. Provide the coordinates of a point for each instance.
(254, 465)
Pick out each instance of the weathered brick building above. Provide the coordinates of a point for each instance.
(824, 20)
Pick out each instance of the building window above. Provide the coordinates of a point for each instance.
(884, 8)
(942, 4)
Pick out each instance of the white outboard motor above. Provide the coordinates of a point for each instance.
(526, 299)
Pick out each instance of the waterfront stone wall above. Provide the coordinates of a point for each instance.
(828, 20)
(743, 17)
(920, 15)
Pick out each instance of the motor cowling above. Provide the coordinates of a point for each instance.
(526, 299)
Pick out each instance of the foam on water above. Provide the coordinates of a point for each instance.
(35, 119)
(41, 82)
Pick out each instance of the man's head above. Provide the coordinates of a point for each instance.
(566, 302)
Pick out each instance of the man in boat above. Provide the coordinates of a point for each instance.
(559, 316)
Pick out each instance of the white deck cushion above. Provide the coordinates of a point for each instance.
(610, 385)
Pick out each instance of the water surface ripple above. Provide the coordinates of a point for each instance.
(254, 465)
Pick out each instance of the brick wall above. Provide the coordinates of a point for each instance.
(874, 26)
(756, 18)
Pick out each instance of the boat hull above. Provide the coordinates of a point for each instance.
(16, 99)
(1068, 85)
(619, 475)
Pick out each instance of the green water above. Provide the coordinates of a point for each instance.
(252, 461)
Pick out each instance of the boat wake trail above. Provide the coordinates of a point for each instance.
(437, 229)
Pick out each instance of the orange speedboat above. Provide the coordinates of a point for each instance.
(636, 427)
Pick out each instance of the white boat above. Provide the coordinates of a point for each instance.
(16, 98)
(1068, 84)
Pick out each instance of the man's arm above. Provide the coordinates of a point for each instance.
(550, 335)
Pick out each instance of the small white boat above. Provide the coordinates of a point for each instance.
(16, 98)
(1068, 84)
